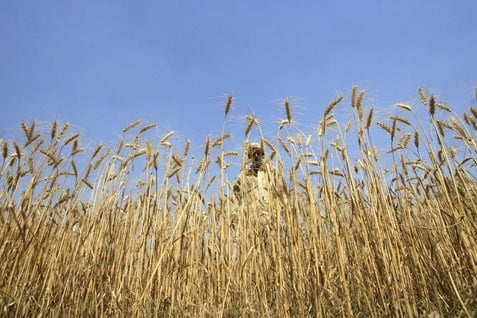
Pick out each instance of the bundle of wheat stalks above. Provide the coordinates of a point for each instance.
(140, 228)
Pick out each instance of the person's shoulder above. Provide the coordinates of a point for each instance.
(268, 167)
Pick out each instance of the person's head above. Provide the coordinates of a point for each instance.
(255, 152)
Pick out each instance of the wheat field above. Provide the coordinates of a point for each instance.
(146, 228)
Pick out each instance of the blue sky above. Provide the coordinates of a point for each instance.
(102, 64)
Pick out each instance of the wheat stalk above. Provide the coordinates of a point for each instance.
(251, 122)
(25, 129)
(422, 94)
(71, 138)
(404, 140)
(473, 110)
(101, 159)
(404, 106)
(359, 104)
(17, 150)
(131, 125)
(444, 107)
(207, 147)
(288, 110)
(432, 105)
(177, 160)
(75, 169)
(332, 105)
(186, 148)
(354, 90)
(284, 146)
(228, 104)
(219, 141)
(458, 127)
(5, 150)
(400, 119)
(87, 183)
(145, 128)
(369, 118)
(31, 140)
(53, 130)
(37, 146)
(416, 139)
(63, 130)
(165, 138)
(96, 151)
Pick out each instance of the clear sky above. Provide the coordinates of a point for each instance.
(102, 64)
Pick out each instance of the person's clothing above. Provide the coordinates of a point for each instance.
(257, 193)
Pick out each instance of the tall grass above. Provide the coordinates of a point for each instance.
(140, 228)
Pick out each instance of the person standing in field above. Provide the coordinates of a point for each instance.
(259, 191)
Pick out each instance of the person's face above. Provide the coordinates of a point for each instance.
(256, 154)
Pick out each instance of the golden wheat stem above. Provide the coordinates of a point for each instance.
(332, 105)
(147, 127)
(228, 105)
(288, 110)
(422, 94)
